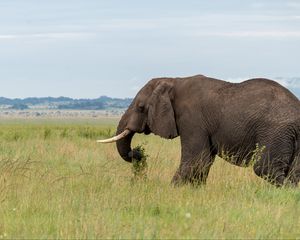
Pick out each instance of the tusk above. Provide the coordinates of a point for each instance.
(115, 138)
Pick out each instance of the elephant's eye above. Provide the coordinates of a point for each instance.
(141, 107)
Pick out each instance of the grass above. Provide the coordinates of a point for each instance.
(57, 182)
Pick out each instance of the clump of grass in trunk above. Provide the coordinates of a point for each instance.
(139, 167)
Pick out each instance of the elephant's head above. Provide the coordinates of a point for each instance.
(150, 112)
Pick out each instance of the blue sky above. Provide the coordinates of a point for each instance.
(88, 48)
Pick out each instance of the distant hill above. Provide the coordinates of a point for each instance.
(100, 103)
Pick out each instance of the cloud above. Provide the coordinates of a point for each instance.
(49, 35)
(293, 4)
(207, 24)
(231, 25)
(256, 34)
(7, 36)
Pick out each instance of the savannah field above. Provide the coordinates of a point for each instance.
(57, 182)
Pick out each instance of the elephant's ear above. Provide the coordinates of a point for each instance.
(161, 118)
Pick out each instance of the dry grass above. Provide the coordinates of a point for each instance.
(56, 182)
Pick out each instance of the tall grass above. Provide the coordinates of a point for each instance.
(56, 182)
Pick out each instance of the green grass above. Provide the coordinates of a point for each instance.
(57, 182)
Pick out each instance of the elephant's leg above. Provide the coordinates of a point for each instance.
(194, 171)
(273, 165)
(196, 160)
(201, 170)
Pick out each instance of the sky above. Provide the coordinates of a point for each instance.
(89, 48)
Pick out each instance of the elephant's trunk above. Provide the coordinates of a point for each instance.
(124, 145)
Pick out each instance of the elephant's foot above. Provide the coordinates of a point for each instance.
(194, 180)
(177, 180)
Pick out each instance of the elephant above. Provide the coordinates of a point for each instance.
(212, 117)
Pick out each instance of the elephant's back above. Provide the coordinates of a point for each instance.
(268, 87)
(261, 92)
(259, 100)
(283, 103)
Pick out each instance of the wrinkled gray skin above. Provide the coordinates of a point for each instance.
(213, 116)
